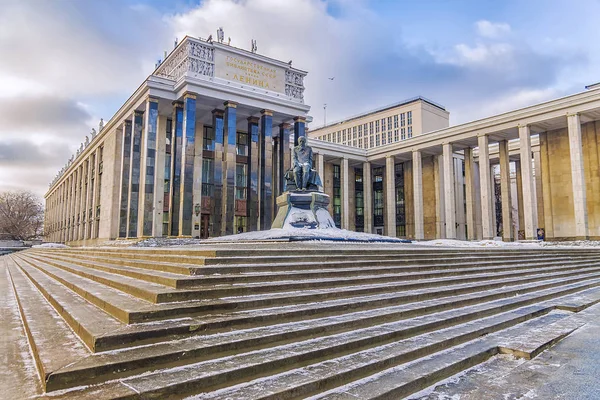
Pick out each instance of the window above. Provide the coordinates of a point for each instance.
(377, 140)
(378, 196)
(360, 143)
(354, 143)
(241, 145)
(209, 139)
(344, 135)
(359, 220)
(400, 200)
(390, 137)
(339, 136)
(409, 118)
(383, 141)
(337, 198)
(240, 181)
(395, 122)
(334, 137)
(389, 123)
(409, 132)
(377, 126)
(360, 131)
(402, 119)
(353, 132)
(396, 137)
(329, 137)
(207, 176)
(372, 141)
(371, 128)
(403, 133)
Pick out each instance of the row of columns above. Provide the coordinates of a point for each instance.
(142, 169)
(73, 214)
(526, 183)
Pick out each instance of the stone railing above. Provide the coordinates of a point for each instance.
(191, 56)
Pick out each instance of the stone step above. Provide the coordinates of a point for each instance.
(184, 327)
(126, 309)
(53, 344)
(177, 281)
(395, 382)
(349, 355)
(85, 319)
(19, 377)
(137, 360)
(253, 274)
(160, 294)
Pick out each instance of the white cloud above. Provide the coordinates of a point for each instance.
(492, 30)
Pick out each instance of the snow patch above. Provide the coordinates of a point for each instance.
(50, 246)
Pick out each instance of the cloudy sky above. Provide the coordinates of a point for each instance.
(64, 64)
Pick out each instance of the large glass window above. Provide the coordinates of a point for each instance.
(409, 118)
(209, 139)
(378, 196)
(409, 132)
(337, 197)
(389, 123)
(359, 220)
(240, 181)
(400, 200)
(402, 119)
(395, 122)
(207, 176)
(241, 145)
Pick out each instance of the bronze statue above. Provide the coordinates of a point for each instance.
(302, 176)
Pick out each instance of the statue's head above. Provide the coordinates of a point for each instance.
(302, 141)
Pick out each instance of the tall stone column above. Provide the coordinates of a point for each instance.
(470, 194)
(578, 177)
(368, 196)
(494, 201)
(507, 229)
(450, 203)
(159, 187)
(284, 154)
(299, 129)
(390, 198)
(125, 172)
(345, 173)
(529, 193)
(253, 198)
(217, 211)
(187, 164)
(521, 215)
(134, 182)
(229, 157)
(485, 184)
(176, 157)
(266, 169)
(148, 169)
(418, 194)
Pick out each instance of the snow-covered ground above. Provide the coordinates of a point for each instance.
(50, 246)
(306, 234)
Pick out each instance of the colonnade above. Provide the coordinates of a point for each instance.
(143, 170)
(73, 207)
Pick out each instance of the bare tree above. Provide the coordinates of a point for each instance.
(21, 215)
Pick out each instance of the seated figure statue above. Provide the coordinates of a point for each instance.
(302, 176)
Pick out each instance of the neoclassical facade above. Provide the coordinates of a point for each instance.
(201, 147)
(198, 150)
(524, 174)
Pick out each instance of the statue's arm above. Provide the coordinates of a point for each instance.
(310, 158)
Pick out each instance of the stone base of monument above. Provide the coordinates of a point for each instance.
(303, 210)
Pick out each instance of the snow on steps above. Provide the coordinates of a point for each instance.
(288, 328)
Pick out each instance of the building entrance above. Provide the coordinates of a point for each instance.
(204, 226)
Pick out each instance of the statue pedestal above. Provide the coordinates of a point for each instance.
(303, 210)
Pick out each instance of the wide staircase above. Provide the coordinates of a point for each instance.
(284, 321)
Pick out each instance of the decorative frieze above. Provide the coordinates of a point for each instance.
(191, 56)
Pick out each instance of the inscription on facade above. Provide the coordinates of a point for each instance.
(246, 71)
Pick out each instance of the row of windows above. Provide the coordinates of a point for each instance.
(392, 129)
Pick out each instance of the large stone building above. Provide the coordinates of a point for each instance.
(386, 125)
(196, 151)
(201, 147)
